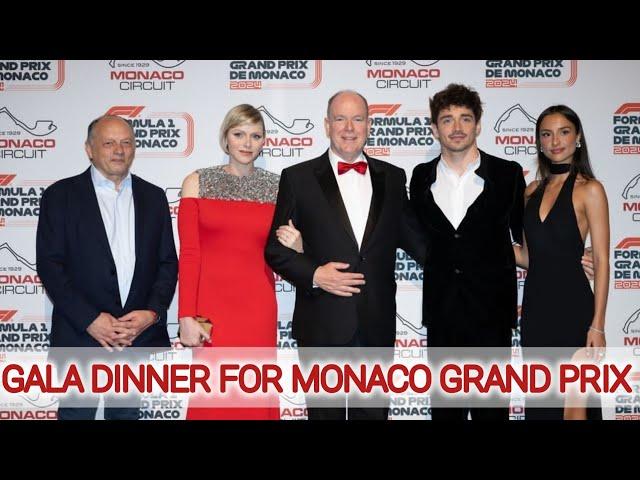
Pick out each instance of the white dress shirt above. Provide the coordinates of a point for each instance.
(454, 193)
(118, 215)
(356, 190)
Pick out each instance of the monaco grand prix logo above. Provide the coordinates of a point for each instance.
(274, 74)
(158, 134)
(398, 130)
(31, 75)
(626, 264)
(626, 129)
(20, 200)
(530, 73)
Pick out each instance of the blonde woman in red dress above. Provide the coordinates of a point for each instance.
(224, 220)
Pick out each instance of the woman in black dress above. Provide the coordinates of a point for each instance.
(564, 205)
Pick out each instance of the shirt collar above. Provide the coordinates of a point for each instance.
(442, 165)
(99, 180)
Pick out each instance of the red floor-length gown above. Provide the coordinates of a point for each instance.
(223, 274)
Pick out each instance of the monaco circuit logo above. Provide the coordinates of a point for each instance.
(631, 197)
(161, 63)
(40, 129)
(19, 258)
(633, 318)
(298, 126)
(515, 132)
(412, 325)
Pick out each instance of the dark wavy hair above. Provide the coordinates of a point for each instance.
(580, 162)
(455, 95)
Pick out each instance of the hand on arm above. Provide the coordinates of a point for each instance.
(290, 237)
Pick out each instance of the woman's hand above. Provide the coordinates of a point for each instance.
(596, 338)
(290, 237)
(191, 332)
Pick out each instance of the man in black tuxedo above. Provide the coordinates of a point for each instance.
(470, 205)
(106, 255)
(353, 213)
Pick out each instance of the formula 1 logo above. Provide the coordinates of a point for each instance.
(7, 315)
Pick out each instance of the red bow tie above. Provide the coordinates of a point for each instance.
(360, 167)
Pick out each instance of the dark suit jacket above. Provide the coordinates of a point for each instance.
(309, 195)
(77, 269)
(469, 289)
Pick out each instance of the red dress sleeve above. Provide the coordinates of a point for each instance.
(189, 263)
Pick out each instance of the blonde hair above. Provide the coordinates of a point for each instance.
(239, 115)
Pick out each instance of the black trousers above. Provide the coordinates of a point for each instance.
(317, 409)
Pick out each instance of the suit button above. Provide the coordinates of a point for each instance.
(457, 235)
(362, 259)
(457, 271)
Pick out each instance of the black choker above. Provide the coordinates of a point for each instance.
(559, 168)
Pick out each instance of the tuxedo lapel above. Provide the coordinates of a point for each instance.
(139, 209)
(481, 202)
(439, 219)
(329, 186)
(378, 179)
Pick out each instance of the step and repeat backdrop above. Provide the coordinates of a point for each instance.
(176, 107)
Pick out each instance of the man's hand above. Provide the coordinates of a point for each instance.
(191, 332)
(135, 322)
(587, 263)
(104, 330)
(330, 279)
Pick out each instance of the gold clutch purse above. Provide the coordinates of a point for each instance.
(205, 324)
